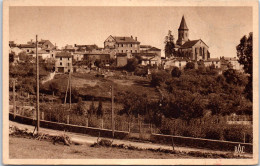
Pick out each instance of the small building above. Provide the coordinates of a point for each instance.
(177, 62)
(78, 56)
(63, 62)
(121, 59)
(122, 44)
(92, 57)
(230, 62)
(213, 61)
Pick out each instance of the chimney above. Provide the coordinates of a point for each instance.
(131, 36)
(135, 38)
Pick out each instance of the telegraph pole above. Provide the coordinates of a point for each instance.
(37, 92)
(112, 109)
(70, 87)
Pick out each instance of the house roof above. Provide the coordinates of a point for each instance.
(125, 39)
(63, 55)
(183, 25)
(26, 46)
(121, 55)
(212, 60)
(145, 46)
(154, 49)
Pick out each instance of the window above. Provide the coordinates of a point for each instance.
(28, 50)
(122, 51)
(131, 45)
(68, 58)
(122, 45)
(131, 51)
(217, 62)
(60, 58)
(60, 63)
(68, 64)
(126, 51)
(118, 45)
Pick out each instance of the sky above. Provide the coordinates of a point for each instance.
(221, 28)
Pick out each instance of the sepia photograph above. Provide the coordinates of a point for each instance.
(130, 82)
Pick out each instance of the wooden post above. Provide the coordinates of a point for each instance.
(37, 92)
(112, 109)
(42, 115)
(14, 103)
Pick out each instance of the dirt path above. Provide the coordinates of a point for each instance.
(86, 139)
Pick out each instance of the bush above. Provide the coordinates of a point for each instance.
(176, 72)
(190, 65)
(159, 77)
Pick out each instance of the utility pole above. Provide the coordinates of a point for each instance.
(68, 118)
(37, 92)
(70, 87)
(112, 109)
(14, 103)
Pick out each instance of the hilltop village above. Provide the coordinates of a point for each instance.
(131, 87)
(118, 50)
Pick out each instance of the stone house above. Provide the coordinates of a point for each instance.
(175, 62)
(213, 61)
(63, 62)
(121, 59)
(122, 44)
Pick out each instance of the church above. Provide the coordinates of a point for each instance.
(195, 50)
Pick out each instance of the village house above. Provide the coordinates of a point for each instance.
(230, 62)
(121, 59)
(63, 62)
(213, 62)
(179, 62)
(69, 48)
(126, 45)
(78, 56)
(92, 57)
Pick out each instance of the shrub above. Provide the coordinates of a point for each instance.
(176, 72)
(190, 65)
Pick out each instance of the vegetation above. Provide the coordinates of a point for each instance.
(245, 55)
(169, 45)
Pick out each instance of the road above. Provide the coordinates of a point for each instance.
(87, 139)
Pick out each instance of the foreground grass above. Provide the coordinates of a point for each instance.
(24, 148)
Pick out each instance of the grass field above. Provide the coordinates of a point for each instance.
(87, 84)
(24, 148)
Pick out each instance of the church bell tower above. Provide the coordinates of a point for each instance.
(183, 32)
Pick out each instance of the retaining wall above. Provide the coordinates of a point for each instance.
(156, 138)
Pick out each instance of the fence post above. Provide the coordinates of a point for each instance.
(68, 119)
(86, 121)
(42, 115)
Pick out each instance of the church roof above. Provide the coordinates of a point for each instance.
(189, 43)
(183, 25)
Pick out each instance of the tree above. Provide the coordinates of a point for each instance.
(169, 45)
(11, 57)
(92, 108)
(245, 58)
(100, 112)
(131, 64)
(190, 65)
(81, 108)
(159, 77)
(176, 72)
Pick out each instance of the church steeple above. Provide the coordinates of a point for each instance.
(183, 32)
(183, 25)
